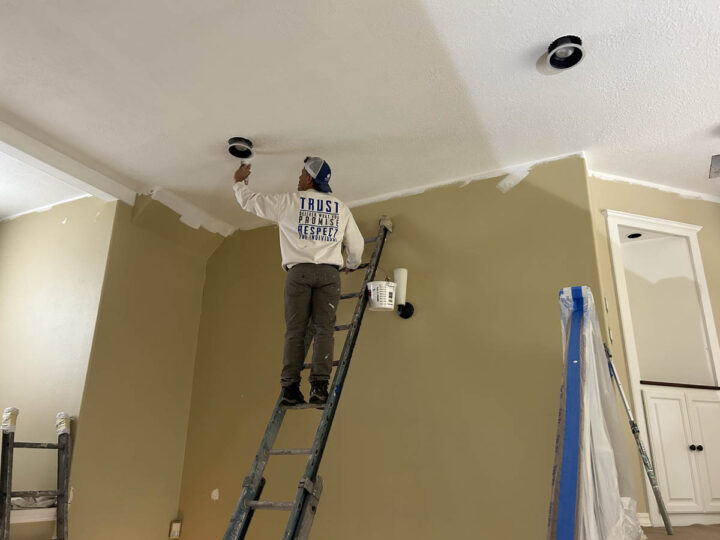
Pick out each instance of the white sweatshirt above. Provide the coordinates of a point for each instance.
(312, 225)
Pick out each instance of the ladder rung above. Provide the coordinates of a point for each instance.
(308, 366)
(39, 445)
(270, 505)
(304, 406)
(370, 240)
(350, 295)
(290, 451)
(34, 494)
(342, 327)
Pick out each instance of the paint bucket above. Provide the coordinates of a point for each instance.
(382, 295)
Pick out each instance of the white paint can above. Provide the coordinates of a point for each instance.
(382, 295)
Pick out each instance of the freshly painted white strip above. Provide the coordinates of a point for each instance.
(33, 515)
(684, 193)
(45, 208)
(36, 154)
(191, 215)
(513, 179)
(511, 170)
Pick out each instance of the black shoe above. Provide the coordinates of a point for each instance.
(291, 395)
(319, 392)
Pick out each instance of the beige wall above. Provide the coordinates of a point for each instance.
(130, 442)
(448, 420)
(654, 203)
(667, 318)
(51, 272)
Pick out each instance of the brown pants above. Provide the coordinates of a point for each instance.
(312, 293)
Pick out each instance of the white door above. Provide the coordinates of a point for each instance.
(670, 440)
(705, 418)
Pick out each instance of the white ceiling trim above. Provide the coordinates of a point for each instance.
(36, 154)
(517, 173)
(684, 193)
(190, 214)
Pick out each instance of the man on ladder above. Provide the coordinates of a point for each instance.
(313, 225)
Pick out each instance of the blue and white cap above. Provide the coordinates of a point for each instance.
(320, 172)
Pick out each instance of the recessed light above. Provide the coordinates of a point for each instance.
(565, 52)
(242, 148)
(634, 235)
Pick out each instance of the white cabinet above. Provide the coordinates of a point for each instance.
(684, 428)
(705, 422)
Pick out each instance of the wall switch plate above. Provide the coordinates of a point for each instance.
(175, 527)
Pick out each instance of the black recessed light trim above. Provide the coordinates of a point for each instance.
(240, 147)
(565, 52)
(634, 235)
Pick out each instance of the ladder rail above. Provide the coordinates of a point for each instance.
(8, 437)
(323, 430)
(240, 520)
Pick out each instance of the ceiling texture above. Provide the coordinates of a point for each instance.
(24, 188)
(395, 95)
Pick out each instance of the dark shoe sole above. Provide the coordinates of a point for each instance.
(317, 400)
(286, 401)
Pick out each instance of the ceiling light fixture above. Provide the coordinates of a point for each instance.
(565, 52)
(242, 148)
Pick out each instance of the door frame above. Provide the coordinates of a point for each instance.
(615, 219)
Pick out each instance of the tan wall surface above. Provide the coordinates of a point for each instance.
(51, 272)
(130, 442)
(651, 202)
(447, 423)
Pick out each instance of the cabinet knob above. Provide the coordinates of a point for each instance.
(693, 447)
(699, 447)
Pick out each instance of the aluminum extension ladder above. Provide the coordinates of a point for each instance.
(649, 470)
(302, 510)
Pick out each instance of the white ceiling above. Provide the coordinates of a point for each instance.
(395, 95)
(24, 188)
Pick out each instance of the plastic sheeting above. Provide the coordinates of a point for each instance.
(593, 495)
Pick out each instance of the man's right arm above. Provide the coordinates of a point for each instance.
(354, 243)
(263, 205)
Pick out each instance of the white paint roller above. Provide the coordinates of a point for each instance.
(404, 308)
(400, 277)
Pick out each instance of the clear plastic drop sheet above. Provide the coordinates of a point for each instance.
(593, 492)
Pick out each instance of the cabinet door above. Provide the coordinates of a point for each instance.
(670, 439)
(705, 418)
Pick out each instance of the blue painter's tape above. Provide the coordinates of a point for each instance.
(567, 496)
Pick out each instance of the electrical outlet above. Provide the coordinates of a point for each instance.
(175, 527)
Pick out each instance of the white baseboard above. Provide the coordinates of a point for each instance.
(644, 519)
(683, 520)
